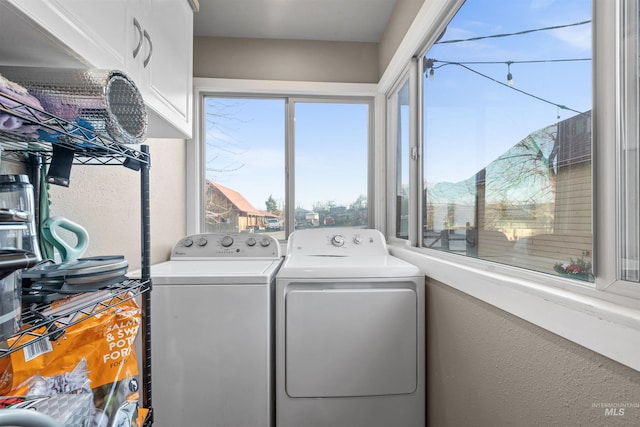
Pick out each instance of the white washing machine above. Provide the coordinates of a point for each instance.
(213, 332)
(350, 333)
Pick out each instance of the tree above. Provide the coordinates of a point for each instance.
(360, 203)
(272, 205)
(324, 206)
(223, 151)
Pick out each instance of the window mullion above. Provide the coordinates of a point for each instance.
(414, 150)
(290, 173)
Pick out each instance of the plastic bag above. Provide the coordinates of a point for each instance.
(95, 356)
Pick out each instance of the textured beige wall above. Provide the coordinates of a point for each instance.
(106, 201)
(486, 367)
(295, 60)
(401, 19)
(302, 60)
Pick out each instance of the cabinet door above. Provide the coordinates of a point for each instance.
(169, 70)
(105, 34)
(137, 44)
(94, 30)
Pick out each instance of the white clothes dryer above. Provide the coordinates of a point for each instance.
(213, 332)
(350, 333)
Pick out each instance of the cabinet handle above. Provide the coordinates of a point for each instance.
(148, 58)
(139, 28)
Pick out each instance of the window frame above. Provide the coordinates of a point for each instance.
(393, 125)
(610, 165)
(605, 316)
(291, 92)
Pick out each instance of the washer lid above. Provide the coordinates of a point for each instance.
(331, 267)
(215, 271)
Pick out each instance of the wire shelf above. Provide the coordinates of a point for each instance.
(49, 320)
(89, 146)
(49, 134)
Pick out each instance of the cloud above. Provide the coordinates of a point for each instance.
(576, 37)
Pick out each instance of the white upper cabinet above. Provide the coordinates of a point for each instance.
(165, 59)
(150, 40)
(93, 30)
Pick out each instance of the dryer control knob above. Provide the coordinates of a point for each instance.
(226, 241)
(265, 242)
(202, 241)
(337, 240)
(251, 241)
(357, 239)
(187, 243)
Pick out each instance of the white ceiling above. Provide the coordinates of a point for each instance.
(332, 20)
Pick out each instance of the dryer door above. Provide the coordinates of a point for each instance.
(344, 341)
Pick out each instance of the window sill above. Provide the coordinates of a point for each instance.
(606, 323)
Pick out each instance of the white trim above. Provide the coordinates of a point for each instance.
(617, 48)
(279, 87)
(424, 30)
(194, 219)
(602, 325)
(380, 214)
(415, 162)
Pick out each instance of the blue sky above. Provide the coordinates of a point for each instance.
(245, 147)
(246, 150)
(471, 120)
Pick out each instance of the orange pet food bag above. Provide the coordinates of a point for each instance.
(96, 355)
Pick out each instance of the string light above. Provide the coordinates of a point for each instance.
(512, 34)
(429, 63)
(560, 106)
(536, 61)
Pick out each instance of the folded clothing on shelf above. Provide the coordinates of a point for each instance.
(15, 96)
(102, 100)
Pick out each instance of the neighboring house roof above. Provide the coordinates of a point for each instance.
(267, 213)
(240, 203)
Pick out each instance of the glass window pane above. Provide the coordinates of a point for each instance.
(630, 162)
(402, 160)
(245, 155)
(507, 136)
(331, 163)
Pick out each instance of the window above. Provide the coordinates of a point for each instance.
(507, 135)
(331, 164)
(600, 316)
(275, 164)
(244, 165)
(399, 102)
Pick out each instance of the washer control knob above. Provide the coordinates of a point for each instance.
(202, 241)
(357, 239)
(337, 240)
(226, 241)
(264, 242)
(251, 241)
(187, 243)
